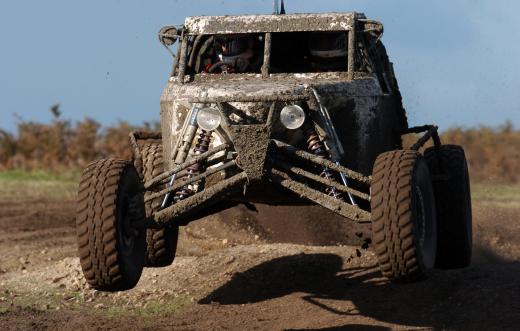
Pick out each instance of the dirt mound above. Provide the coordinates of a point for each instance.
(195, 276)
(268, 287)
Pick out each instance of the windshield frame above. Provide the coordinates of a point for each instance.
(266, 66)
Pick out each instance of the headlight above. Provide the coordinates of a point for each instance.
(208, 119)
(292, 117)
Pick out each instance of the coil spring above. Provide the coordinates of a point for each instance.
(316, 146)
(202, 146)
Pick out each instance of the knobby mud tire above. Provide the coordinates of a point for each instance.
(452, 195)
(111, 252)
(403, 215)
(161, 244)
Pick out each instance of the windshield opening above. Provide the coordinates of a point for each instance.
(221, 54)
(290, 52)
(304, 52)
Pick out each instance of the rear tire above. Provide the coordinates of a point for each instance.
(111, 250)
(403, 215)
(161, 244)
(453, 198)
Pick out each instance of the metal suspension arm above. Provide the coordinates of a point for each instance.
(338, 206)
(295, 152)
(197, 202)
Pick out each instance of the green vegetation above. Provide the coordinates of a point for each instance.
(19, 296)
(502, 195)
(18, 185)
(46, 297)
(150, 308)
(38, 176)
(22, 185)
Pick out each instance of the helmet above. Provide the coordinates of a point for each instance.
(236, 51)
(328, 45)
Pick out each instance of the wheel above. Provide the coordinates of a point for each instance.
(403, 215)
(161, 244)
(111, 250)
(453, 198)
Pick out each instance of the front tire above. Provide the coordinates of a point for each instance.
(403, 215)
(111, 250)
(453, 198)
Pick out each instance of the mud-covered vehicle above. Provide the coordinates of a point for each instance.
(312, 114)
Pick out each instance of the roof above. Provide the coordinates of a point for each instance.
(270, 23)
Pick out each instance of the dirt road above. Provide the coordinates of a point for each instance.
(267, 270)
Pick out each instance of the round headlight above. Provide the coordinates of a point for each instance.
(292, 117)
(208, 119)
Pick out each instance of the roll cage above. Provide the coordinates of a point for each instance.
(197, 31)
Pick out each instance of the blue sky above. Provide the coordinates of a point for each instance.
(457, 62)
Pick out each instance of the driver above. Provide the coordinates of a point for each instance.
(328, 51)
(235, 55)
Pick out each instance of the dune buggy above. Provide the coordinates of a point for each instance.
(281, 133)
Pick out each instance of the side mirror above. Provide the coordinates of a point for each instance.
(168, 35)
(374, 28)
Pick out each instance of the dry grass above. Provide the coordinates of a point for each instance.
(63, 146)
(493, 153)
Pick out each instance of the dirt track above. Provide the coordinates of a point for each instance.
(233, 273)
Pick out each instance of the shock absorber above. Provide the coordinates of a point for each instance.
(202, 146)
(316, 146)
